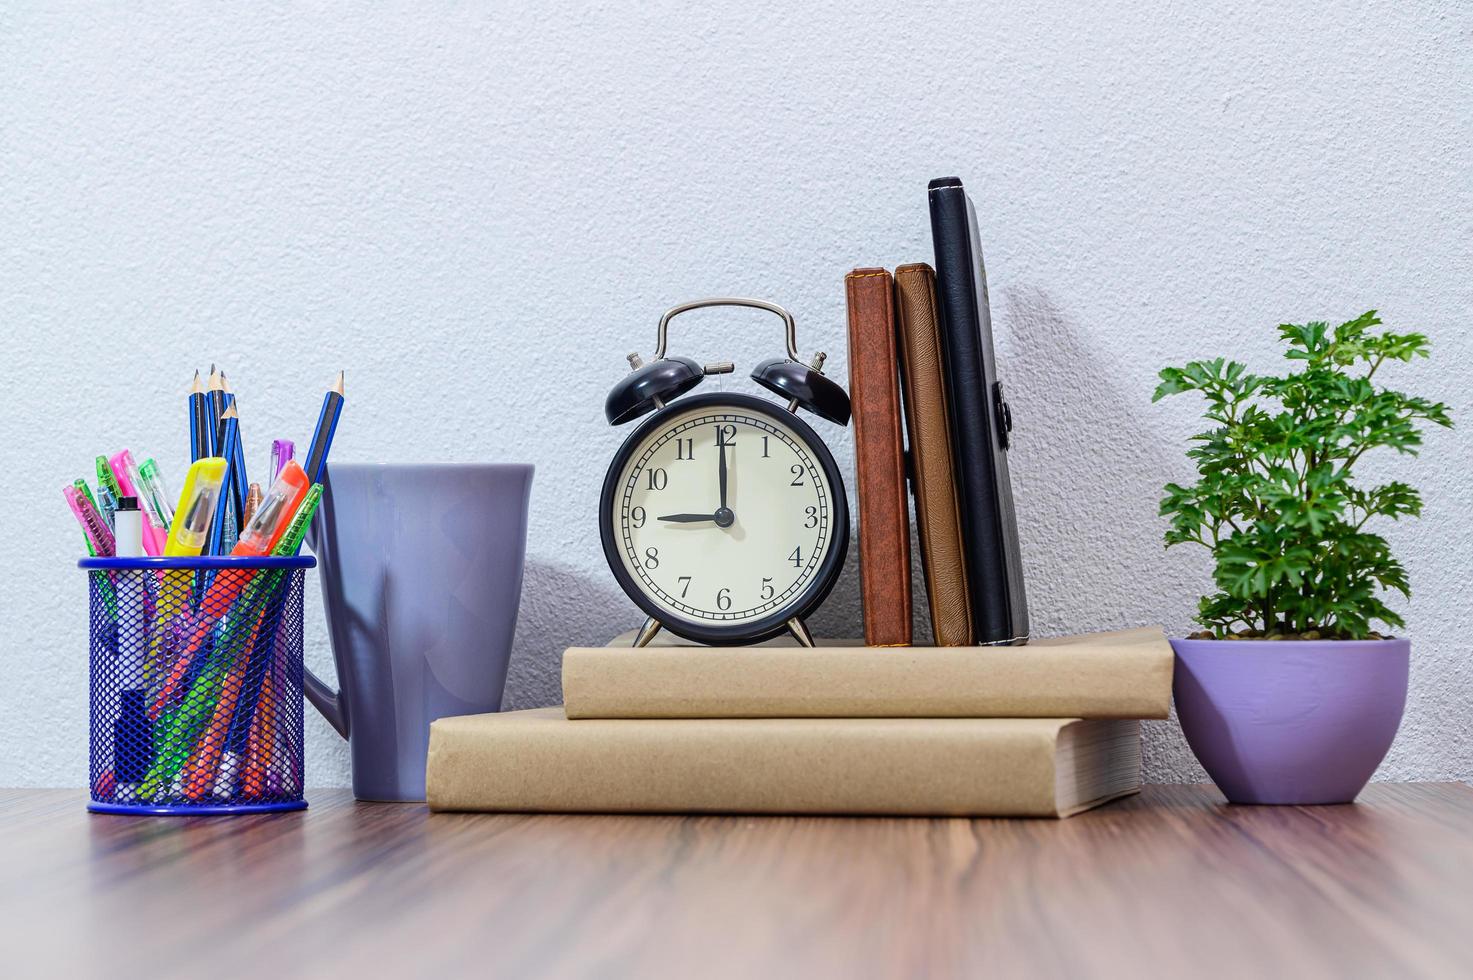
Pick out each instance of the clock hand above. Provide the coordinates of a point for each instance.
(687, 518)
(721, 475)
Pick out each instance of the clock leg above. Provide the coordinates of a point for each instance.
(799, 629)
(647, 632)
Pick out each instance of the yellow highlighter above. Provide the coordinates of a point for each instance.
(191, 527)
(187, 535)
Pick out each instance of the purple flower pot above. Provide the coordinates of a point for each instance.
(1290, 721)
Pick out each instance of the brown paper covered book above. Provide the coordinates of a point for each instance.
(1124, 674)
(1009, 767)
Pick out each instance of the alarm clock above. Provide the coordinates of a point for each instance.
(723, 515)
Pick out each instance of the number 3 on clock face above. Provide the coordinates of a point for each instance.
(723, 516)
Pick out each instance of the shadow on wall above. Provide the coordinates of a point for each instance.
(560, 608)
(1087, 465)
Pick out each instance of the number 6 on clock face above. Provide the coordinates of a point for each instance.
(723, 516)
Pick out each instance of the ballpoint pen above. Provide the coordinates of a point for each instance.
(106, 480)
(107, 504)
(86, 491)
(282, 451)
(99, 536)
(129, 483)
(156, 497)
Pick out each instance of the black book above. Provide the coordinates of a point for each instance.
(980, 420)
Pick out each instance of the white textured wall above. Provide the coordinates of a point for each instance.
(478, 209)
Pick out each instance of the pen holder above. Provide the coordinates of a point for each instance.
(196, 684)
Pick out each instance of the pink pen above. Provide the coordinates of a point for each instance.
(125, 471)
(96, 529)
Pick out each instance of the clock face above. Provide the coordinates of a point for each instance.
(755, 552)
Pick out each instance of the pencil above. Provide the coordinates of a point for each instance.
(228, 503)
(327, 423)
(217, 409)
(201, 433)
(239, 483)
(229, 436)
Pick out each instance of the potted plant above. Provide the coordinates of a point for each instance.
(1290, 694)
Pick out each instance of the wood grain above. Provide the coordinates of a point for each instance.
(1170, 882)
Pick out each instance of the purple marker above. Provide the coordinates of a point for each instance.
(282, 451)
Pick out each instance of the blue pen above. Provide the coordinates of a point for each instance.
(107, 505)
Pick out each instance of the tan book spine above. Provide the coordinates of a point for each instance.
(1123, 674)
(540, 761)
(938, 510)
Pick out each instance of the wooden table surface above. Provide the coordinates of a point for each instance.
(1172, 882)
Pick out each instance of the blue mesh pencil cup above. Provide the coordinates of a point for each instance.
(196, 684)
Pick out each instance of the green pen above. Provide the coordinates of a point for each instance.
(296, 531)
(156, 497)
(105, 478)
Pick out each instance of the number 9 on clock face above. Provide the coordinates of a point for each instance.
(723, 517)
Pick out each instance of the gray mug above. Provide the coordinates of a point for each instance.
(421, 571)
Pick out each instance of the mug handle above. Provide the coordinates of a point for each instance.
(326, 700)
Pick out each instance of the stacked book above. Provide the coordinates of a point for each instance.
(1045, 730)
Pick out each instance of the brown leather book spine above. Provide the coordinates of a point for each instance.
(938, 509)
(884, 517)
